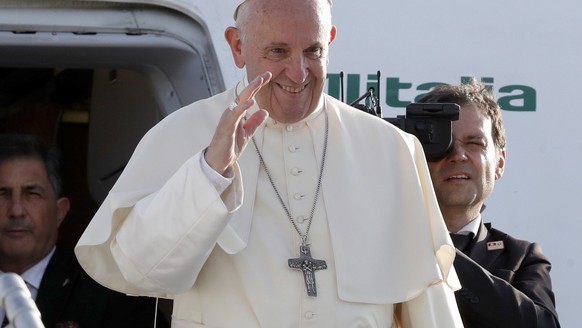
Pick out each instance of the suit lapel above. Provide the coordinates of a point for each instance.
(55, 286)
(480, 252)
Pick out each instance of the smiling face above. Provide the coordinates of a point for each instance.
(30, 214)
(291, 40)
(465, 177)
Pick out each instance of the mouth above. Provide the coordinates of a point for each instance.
(291, 89)
(458, 177)
(16, 232)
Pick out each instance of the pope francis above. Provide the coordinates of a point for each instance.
(275, 205)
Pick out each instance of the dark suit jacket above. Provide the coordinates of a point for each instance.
(68, 297)
(508, 287)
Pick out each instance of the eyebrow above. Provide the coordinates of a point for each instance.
(34, 186)
(476, 136)
(316, 44)
(285, 44)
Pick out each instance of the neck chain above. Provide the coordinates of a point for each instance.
(264, 165)
(305, 262)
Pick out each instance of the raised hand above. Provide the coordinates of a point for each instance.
(233, 131)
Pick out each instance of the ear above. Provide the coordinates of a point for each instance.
(332, 34)
(500, 165)
(63, 206)
(233, 37)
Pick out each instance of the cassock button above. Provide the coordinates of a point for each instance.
(293, 149)
(289, 128)
(299, 196)
(310, 315)
(296, 171)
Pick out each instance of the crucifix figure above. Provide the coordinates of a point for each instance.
(307, 265)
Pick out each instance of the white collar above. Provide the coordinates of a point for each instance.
(472, 226)
(33, 276)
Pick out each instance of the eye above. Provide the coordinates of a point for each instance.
(476, 143)
(278, 50)
(276, 53)
(314, 52)
(34, 192)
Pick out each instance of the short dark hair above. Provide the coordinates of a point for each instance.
(476, 93)
(28, 146)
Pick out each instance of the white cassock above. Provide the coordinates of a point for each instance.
(165, 231)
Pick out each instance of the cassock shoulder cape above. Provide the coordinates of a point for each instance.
(377, 190)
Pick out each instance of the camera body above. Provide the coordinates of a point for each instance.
(431, 123)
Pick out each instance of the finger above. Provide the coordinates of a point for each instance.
(248, 128)
(240, 106)
(265, 78)
(224, 147)
(253, 122)
(254, 86)
(240, 109)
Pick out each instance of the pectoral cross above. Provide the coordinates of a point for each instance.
(307, 265)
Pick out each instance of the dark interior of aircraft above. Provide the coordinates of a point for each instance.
(92, 78)
(55, 106)
(96, 116)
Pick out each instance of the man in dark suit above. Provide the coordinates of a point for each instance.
(505, 281)
(31, 211)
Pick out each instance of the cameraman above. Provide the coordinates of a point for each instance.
(505, 281)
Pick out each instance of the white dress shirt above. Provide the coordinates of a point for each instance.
(32, 277)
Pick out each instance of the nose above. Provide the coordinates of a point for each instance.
(457, 153)
(15, 209)
(297, 68)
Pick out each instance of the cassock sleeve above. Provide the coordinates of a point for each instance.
(161, 205)
(199, 215)
(140, 266)
(435, 307)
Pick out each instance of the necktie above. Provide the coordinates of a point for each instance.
(5, 321)
(461, 241)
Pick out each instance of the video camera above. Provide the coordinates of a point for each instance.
(431, 123)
